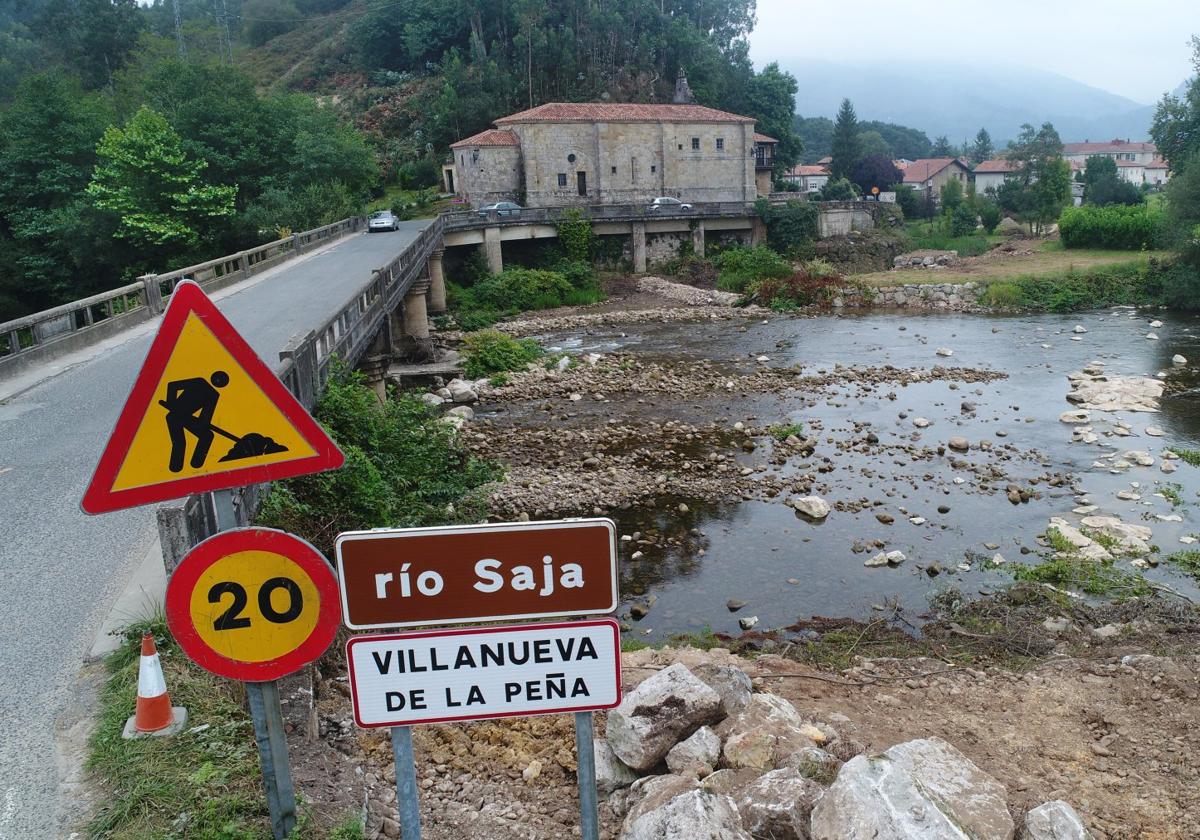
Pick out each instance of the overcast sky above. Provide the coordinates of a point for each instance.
(1136, 48)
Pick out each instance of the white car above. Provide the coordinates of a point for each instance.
(666, 204)
(382, 220)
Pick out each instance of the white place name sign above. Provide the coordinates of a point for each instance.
(485, 672)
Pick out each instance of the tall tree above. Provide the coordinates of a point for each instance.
(982, 149)
(875, 171)
(146, 180)
(846, 150)
(872, 144)
(1176, 126)
(94, 37)
(1103, 185)
(942, 148)
(1041, 186)
(771, 100)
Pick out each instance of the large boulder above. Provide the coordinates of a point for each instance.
(659, 713)
(695, 815)
(1054, 821)
(764, 734)
(651, 792)
(611, 772)
(732, 684)
(696, 755)
(918, 790)
(778, 804)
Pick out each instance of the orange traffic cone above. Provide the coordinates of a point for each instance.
(154, 715)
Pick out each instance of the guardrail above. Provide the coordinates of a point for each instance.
(71, 326)
(471, 219)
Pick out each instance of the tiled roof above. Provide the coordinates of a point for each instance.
(806, 171)
(825, 160)
(491, 137)
(1130, 164)
(620, 112)
(762, 138)
(1157, 163)
(922, 170)
(996, 165)
(1107, 147)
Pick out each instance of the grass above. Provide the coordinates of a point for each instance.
(782, 431)
(924, 236)
(202, 785)
(1173, 493)
(1188, 456)
(1098, 578)
(1048, 259)
(1187, 561)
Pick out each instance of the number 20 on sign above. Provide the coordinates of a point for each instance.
(253, 604)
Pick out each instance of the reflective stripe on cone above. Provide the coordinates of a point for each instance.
(153, 702)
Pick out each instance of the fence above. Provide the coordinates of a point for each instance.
(45, 335)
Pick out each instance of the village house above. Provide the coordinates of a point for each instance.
(807, 178)
(990, 174)
(1118, 150)
(566, 153)
(928, 175)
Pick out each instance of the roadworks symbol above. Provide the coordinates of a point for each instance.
(205, 413)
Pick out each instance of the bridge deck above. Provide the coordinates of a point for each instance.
(60, 570)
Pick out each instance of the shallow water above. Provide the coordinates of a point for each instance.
(750, 550)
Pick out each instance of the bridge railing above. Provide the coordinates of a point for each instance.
(71, 326)
(472, 219)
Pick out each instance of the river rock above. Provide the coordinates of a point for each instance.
(748, 622)
(695, 815)
(1134, 539)
(877, 560)
(656, 715)
(813, 763)
(921, 423)
(696, 755)
(1178, 360)
(777, 805)
(1054, 821)
(763, 734)
(1168, 467)
(1113, 393)
(944, 351)
(611, 772)
(813, 507)
(461, 392)
(1152, 336)
(959, 444)
(732, 684)
(431, 399)
(918, 790)
(1139, 457)
(463, 411)
(1073, 417)
(1079, 329)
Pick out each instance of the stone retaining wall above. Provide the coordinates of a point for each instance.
(944, 297)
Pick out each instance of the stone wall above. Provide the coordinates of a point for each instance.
(663, 247)
(634, 162)
(944, 297)
(488, 174)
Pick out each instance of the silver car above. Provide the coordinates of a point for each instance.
(501, 208)
(382, 220)
(666, 204)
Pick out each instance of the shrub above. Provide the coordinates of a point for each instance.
(1116, 226)
(520, 289)
(739, 267)
(837, 189)
(990, 215)
(576, 236)
(800, 288)
(490, 351)
(1129, 283)
(403, 467)
(962, 220)
(791, 226)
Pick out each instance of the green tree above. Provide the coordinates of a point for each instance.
(982, 149)
(1176, 126)
(903, 142)
(93, 37)
(1103, 185)
(951, 195)
(942, 148)
(872, 144)
(771, 100)
(1041, 187)
(817, 136)
(837, 189)
(146, 180)
(846, 149)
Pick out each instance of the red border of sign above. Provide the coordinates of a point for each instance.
(183, 581)
(487, 527)
(189, 298)
(479, 631)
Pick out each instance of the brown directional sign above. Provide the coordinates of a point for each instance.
(407, 577)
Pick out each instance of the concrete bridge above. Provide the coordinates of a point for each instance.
(64, 373)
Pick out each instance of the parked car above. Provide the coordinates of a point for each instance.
(501, 208)
(382, 220)
(666, 204)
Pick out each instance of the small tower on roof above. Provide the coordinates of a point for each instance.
(683, 93)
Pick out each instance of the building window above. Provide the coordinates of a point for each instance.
(653, 167)
(562, 179)
(614, 170)
(681, 147)
(720, 144)
(571, 158)
(695, 144)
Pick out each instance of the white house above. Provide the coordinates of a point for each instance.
(990, 174)
(809, 179)
(1132, 171)
(1156, 172)
(1118, 150)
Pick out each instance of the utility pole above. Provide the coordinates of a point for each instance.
(179, 31)
(228, 37)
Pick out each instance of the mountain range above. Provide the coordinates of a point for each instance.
(956, 100)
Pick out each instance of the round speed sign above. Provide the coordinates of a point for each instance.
(253, 604)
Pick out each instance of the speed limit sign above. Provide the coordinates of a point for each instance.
(253, 604)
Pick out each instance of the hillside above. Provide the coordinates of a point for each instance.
(956, 100)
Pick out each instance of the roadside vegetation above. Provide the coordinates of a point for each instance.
(489, 352)
(404, 467)
(1140, 282)
(932, 236)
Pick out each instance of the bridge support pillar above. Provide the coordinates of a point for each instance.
(758, 233)
(437, 282)
(698, 238)
(638, 243)
(410, 337)
(491, 249)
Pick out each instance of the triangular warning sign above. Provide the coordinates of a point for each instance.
(205, 413)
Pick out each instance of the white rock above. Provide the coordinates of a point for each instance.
(663, 709)
(1168, 517)
(732, 684)
(575, 397)
(1076, 338)
(1187, 540)
(1076, 416)
(1154, 431)
(1128, 496)
(563, 363)
(463, 411)
(777, 804)
(921, 423)
(747, 622)
(895, 558)
(431, 399)
(813, 507)
(611, 772)
(917, 520)
(1079, 328)
(918, 790)
(1139, 457)
(879, 559)
(696, 755)
(1155, 324)
(763, 359)
(1178, 360)
(695, 815)
(944, 351)
(1152, 336)
(763, 734)
(592, 359)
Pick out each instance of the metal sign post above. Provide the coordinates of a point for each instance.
(265, 711)
(585, 774)
(406, 783)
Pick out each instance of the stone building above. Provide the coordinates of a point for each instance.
(613, 153)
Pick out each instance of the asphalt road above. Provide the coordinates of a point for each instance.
(60, 570)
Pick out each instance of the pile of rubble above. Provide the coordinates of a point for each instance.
(699, 755)
(926, 259)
